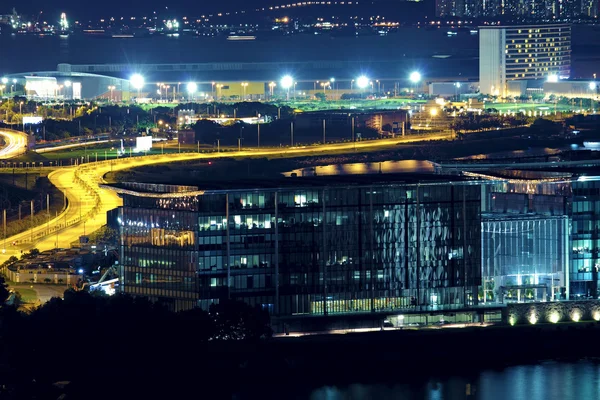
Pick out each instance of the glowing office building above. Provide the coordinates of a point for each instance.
(308, 250)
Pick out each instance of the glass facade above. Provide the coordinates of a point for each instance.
(524, 258)
(314, 251)
(585, 239)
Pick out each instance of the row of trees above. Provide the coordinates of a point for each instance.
(86, 337)
(476, 122)
(63, 121)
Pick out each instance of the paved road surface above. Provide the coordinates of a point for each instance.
(44, 292)
(16, 143)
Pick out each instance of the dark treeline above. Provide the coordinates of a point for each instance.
(106, 346)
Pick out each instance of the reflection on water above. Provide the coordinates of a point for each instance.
(547, 381)
(404, 166)
(531, 152)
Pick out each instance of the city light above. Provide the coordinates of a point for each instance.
(362, 82)
(137, 81)
(593, 85)
(192, 87)
(553, 78)
(332, 80)
(415, 77)
(287, 82)
(64, 24)
(5, 80)
(68, 83)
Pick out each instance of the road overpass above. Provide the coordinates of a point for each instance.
(16, 143)
(88, 201)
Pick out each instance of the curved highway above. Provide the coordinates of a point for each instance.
(16, 143)
(88, 202)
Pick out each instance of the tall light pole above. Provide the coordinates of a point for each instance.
(362, 82)
(415, 78)
(111, 88)
(137, 81)
(272, 87)
(244, 86)
(332, 81)
(21, 114)
(192, 87)
(286, 83)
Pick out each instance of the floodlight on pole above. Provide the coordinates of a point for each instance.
(415, 77)
(362, 82)
(287, 82)
(192, 87)
(137, 81)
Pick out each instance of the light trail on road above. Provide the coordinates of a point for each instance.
(16, 143)
(88, 202)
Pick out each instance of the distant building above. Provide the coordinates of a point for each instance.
(582, 89)
(468, 8)
(536, 9)
(376, 120)
(452, 89)
(514, 55)
(240, 90)
(186, 137)
(52, 85)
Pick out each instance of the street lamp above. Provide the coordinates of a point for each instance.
(287, 82)
(5, 80)
(192, 87)
(111, 88)
(137, 81)
(457, 86)
(244, 86)
(593, 86)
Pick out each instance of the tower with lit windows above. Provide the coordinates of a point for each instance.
(510, 56)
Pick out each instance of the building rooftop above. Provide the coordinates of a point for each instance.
(212, 187)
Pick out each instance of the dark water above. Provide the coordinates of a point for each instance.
(411, 47)
(546, 381)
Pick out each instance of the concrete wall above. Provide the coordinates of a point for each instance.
(566, 311)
